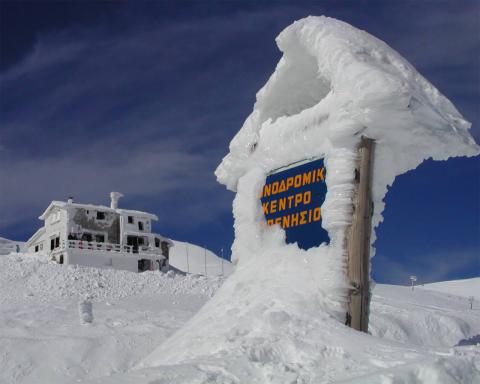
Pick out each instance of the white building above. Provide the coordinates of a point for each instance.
(101, 236)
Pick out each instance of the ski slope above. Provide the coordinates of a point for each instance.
(465, 288)
(425, 316)
(43, 340)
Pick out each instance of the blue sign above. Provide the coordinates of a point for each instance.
(293, 198)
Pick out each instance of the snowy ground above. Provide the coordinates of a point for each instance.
(42, 339)
(425, 317)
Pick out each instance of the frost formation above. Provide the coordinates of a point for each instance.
(280, 315)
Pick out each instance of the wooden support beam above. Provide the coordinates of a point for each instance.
(358, 240)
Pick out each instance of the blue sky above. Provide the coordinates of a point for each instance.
(144, 98)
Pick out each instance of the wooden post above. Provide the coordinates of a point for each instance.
(358, 240)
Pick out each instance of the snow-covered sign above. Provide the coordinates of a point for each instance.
(279, 317)
(292, 198)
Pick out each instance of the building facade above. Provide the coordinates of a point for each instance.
(101, 236)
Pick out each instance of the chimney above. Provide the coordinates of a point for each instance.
(114, 196)
(70, 200)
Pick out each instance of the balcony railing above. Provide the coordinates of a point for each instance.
(109, 247)
(96, 246)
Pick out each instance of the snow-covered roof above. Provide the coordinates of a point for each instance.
(36, 235)
(104, 208)
(137, 213)
(335, 83)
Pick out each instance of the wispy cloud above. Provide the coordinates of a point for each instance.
(148, 111)
(149, 108)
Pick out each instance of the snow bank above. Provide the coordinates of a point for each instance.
(41, 280)
(279, 317)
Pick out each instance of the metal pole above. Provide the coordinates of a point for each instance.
(188, 265)
(413, 279)
(205, 249)
(358, 240)
(222, 260)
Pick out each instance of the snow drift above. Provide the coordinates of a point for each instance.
(279, 317)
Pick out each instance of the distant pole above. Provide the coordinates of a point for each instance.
(470, 300)
(413, 279)
(205, 249)
(188, 265)
(221, 250)
(358, 240)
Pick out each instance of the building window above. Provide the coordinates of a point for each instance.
(130, 219)
(140, 226)
(87, 237)
(157, 242)
(54, 243)
(36, 248)
(100, 238)
(100, 215)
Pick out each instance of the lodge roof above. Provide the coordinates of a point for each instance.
(93, 207)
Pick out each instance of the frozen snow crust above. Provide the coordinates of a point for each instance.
(279, 317)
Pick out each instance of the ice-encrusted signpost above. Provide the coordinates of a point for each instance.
(335, 92)
(280, 316)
